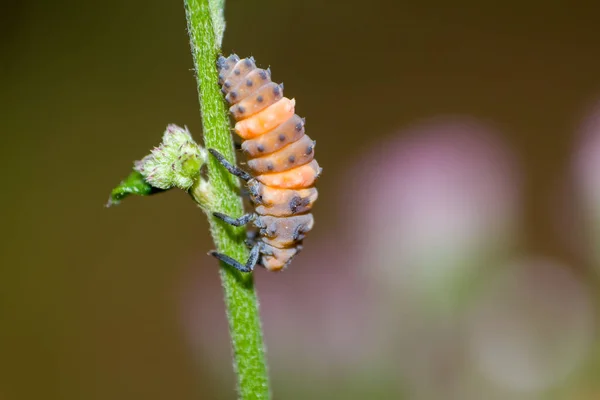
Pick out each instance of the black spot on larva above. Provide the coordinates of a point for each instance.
(226, 66)
(260, 148)
(276, 90)
(259, 99)
(309, 150)
(292, 159)
(236, 71)
(263, 74)
(296, 234)
(270, 166)
(298, 126)
(281, 137)
(221, 77)
(227, 85)
(249, 82)
(248, 62)
(241, 109)
(294, 203)
(233, 95)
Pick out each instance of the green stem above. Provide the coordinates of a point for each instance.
(205, 27)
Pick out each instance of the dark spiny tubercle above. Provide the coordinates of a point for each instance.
(294, 203)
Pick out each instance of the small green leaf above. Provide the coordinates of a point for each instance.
(134, 184)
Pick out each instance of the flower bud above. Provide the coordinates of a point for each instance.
(175, 163)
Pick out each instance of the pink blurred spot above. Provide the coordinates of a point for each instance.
(432, 198)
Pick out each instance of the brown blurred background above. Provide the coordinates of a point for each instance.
(123, 303)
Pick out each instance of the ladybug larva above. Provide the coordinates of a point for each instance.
(281, 159)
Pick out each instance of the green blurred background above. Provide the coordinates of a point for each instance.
(91, 298)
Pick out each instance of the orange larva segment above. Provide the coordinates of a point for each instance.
(284, 232)
(254, 81)
(297, 178)
(266, 119)
(270, 196)
(286, 202)
(236, 74)
(266, 96)
(288, 132)
(291, 156)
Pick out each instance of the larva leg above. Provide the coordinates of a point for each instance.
(240, 173)
(243, 220)
(248, 267)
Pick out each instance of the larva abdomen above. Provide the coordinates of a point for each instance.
(280, 157)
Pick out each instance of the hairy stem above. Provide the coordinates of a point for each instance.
(205, 27)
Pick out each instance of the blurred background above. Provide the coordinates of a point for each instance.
(455, 254)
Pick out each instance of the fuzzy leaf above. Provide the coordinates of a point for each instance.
(134, 184)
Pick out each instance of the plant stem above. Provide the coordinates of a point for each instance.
(205, 25)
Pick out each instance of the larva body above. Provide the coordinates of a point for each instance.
(281, 160)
